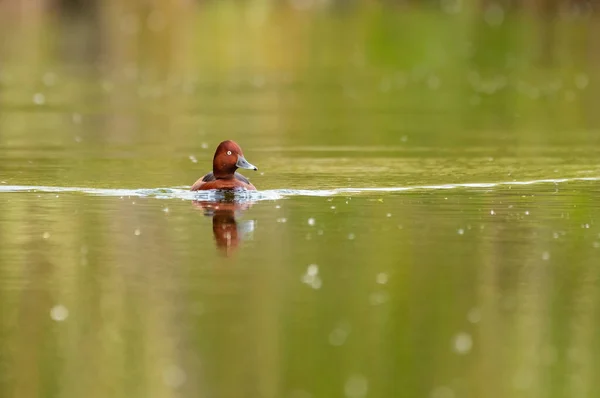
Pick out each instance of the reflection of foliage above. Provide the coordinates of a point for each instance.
(372, 72)
(127, 93)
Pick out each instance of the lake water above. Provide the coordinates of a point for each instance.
(425, 223)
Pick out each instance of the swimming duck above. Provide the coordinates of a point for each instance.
(228, 158)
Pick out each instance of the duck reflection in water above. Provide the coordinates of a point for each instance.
(228, 232)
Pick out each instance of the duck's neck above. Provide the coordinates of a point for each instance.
(224, 175)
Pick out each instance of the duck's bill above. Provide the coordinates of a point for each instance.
(242, 163)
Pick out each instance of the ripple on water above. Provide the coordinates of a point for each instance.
(274, 194)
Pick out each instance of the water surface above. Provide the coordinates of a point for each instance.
(425, 225)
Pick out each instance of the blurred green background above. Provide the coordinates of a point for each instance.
(322, 287)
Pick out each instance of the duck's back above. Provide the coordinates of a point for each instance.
(209, 181)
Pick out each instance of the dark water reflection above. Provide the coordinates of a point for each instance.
(226, 229)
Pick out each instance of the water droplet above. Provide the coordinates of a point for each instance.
(545, 256)
(49, 79)
(259, 81)
(451, 6)
(582, 81)
(570, 96)
(129, 24)
(385, 85)
(494, 15)
(378, 298)
(174, 376)
(311, 277)
(338, 336)
(382, 278)
(442, 392)
(299, 394)
(463, 343)
(59, 313)
(301, 4)
(39, 99)
(356, 386)
(434, 82)
(156, 21)
(522, 379)
(474, 315)
(107, 86)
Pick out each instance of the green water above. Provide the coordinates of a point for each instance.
(425, 224)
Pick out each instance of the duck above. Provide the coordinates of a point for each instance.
(228, 158)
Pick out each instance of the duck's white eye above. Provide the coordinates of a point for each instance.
(229, 152)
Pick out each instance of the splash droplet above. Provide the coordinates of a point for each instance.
(382, 278)
(546, 256)
(494, 15)
(39, 99)
(474, 315)
(463, 343)
(59, 313)
(356, 386)
(174, 376)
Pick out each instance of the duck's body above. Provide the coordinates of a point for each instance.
(228, 158)
(210, 182)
